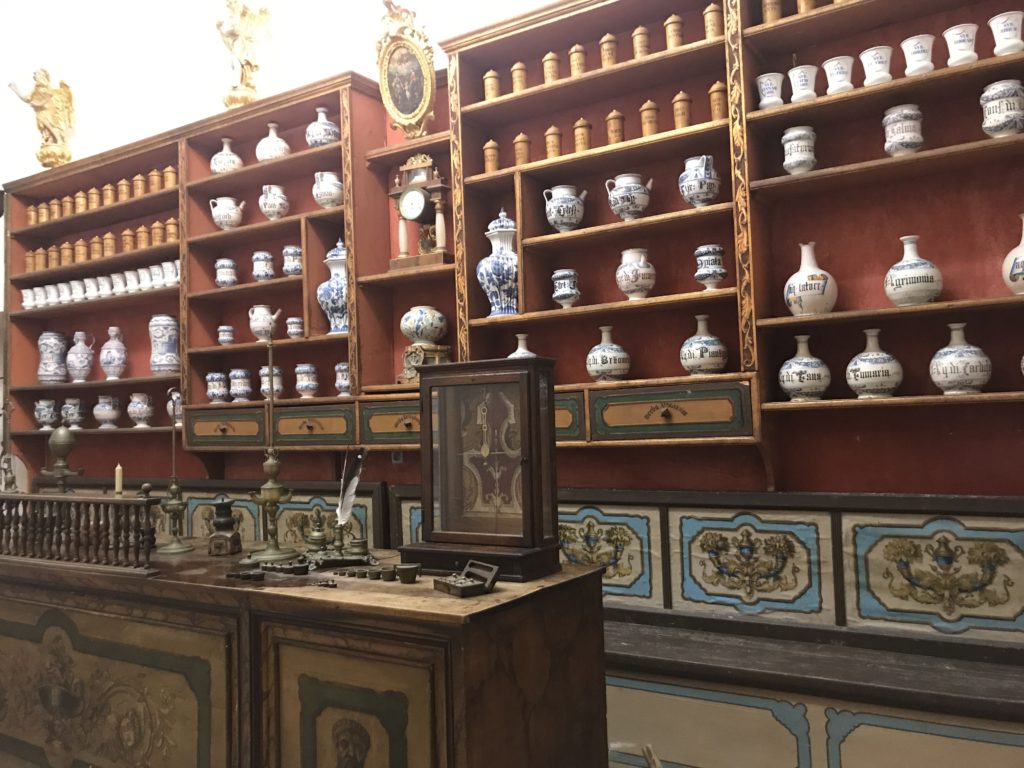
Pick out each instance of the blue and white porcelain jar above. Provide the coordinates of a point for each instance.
(225, 273)
(566, 283)
(322, 131)
(699, 183)
(53, 351)
(163, 340)
(798, 150)
(239, 385)
(703, 353)
(804, 377)
(265, 381)
(342, 382)
(810, 290)
(902, 126)
(274, 202)
(226, 212)
(332, 294)
(107, 411)
(960, 368)
(423, 325)
(294, 327)
(564, 207)
(628, 196)
(1002, 108)
(271, 146)
(80, 357)
(262, 266)
(328, 191)
(262, 322)
(912, 280)
(498, 273)
(140, 410)
(71, 412)
(292, 255)
(225, 334)
(710, 266)
(874, 373)
(635, 276)
(607, 361)
(45, 413)
(307, 383)
(217, 387)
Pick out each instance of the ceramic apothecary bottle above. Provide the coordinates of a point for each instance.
(307, 383)
(328, 191)
(912, 280)
(71, 413)
(262, 266)
(239, 385)
(107, 411)
(710, 266)
(292, 256)
(1013, 265)
(1002, 108)
(332, 294)
(804, 377)
(635, 275)
(607, 361)
(342, 380)
(810, 290)
(265, 382)
(628, 196)
(140, 410)
(45, 414)
(294, 327)
(564, 207)
(53, 351)
(699, 183)
(567, 291)
(271, 146)
(225, 334)
(262, 322)
(274, 202)
(874, 373)
(224, 273)
(227, 212)
(902, 126)
(163, 340)
(798, 150)
(521, 349)
(423, 325)
(703, 353)
(322, 131)
(225, 160)
(80, 357)
(113, 354)
(498, 273)
(960, 368)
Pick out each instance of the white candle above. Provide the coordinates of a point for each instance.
(118, 479)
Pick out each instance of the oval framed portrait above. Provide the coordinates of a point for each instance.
(407, 85)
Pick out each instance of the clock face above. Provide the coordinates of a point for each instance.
(412, 204)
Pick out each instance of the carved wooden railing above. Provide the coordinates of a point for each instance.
(97, 530)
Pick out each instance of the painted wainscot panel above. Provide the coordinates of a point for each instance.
(625, 540)
(938, 575)
(752, 563)
(688, 724)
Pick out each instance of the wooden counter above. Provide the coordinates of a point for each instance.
(188, 667)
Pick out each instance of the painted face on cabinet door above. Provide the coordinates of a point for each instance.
(351, 743)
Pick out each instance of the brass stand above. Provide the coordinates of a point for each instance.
(61, 441)
(172, 505)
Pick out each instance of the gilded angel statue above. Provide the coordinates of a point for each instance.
(242, 29)
(55, 117)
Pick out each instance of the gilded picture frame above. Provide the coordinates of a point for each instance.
(405, 64)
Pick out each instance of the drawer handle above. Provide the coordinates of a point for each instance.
(222, 428)
(407, 423)
(666, 413)
(309, 425)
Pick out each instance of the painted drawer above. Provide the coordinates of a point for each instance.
(226, 427)
(316, 425)
(569, 416)
(390, 422)
(696, 410)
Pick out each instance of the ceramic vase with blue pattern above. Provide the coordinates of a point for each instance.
(239, 385)
(322, 131)
(332, 294)
(163, 340)
(53, 351)
(874, 373)
(607, 361)
(498, 273)
(307, 382)
(45, 412)
(703, 353)
(423, 325)
(1002, 108)
(960, 368)
(804, 377)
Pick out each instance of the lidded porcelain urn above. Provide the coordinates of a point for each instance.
(810, 290)
(498, 273)
(960, 368)
(332, 294)
(873, 373)
(804, 377)
(912, 280)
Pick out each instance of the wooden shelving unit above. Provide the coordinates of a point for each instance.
(144, 205)
(120, 261)
(900, 401)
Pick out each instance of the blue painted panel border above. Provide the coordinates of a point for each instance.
(640, 525)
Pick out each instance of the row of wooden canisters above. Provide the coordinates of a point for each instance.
(771, 10)
(609, 46)
(99, 247)
(615, 122)
(109, 194)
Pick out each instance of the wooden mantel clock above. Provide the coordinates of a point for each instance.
(488, 450)
(419, 194)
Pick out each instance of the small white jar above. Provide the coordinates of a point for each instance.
(877, 62)
(917, 51)
(1006, 28)
(874, 373)
(839, 73)
(960, 41)
(902, 126)
(798, 150)
(769, 90)
(1002, 108)
(802, 81)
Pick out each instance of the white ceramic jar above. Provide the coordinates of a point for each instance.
(307, 383)
(225, 273)
(566, 285)
(292, 257)
(294, 327)
(274, 202)
(563, 207)
(810, 290)
(239, 385)
(960, 368)
(107, 411)
(628, 196)
(322, 131)
(140, 409)
(902, 127)
(265, 382)
(710, 266)
(798, 149)
(802, 81)
(804, 377)
(423, 325)
(521, 350)
(227, 212)
(876, 62)
(606, 360)
(839, 73)
(1006, 29)
(262, 266)
(342, 381)
(769, 90)
(699, 183)
(328, 191)
(1013, 265)
(703, 352)
(225, 160)
(80, 357)
(262, 322)
(912, 280)
(1002, 108)
(635, 275)
(960, 40)
(271, 146)
(874, 373)
(917, 51)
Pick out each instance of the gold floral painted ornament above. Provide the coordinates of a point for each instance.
(405, 64)
(55, 118)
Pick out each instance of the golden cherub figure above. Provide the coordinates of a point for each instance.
(242, 29)
(55, 117)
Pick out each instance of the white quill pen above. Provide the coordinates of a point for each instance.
(347, 490)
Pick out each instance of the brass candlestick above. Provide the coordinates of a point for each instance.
(61, 441)
(172, 504)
